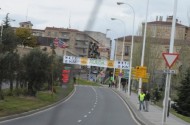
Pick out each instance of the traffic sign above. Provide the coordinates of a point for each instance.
(120, 74)
(117, 71)
(170, 58)
(170, 71)
(141, 72)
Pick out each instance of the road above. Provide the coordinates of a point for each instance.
(87, 106)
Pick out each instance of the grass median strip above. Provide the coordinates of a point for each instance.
(86, 82)
(18, 104)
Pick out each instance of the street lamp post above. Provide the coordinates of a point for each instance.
(122, 51)
(132, 46)
(143, 49)
(115, 54)
(1, 33)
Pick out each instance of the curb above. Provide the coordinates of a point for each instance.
(139, 117)
(37, 110)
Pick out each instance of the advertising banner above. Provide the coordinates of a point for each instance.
(110, 63)
(95, 62)
(71, 60)
(83, 61)
(65, 76)
(122, 64)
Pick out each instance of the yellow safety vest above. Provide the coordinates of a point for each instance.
(142, 97)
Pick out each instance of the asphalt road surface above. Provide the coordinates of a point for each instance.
(87, 106)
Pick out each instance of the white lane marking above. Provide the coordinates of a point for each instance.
(128, 109)
(95, 103)
(92, 109)
(42, 110)
(94, 106)
(89, 112)
(85, 116)
(79, 121)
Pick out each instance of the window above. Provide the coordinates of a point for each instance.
(55, 34)
(64, 34)
(127, 50)
(49, 33)
(84, 50)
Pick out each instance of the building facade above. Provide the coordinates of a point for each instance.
(162, 29)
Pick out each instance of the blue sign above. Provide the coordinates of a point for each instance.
(126, 73)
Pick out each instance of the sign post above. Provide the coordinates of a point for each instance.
(170, 59)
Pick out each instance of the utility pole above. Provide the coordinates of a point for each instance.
(168, 76)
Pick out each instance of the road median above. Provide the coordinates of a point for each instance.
(13, 107)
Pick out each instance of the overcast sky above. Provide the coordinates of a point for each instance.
(57, 13)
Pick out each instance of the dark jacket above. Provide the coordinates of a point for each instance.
(147, 97)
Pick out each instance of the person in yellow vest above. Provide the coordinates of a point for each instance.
(141, 100)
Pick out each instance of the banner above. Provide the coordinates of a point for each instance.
(122, 64)
(95, 62)
(65, 76)
(83, 61)
(71, 60)
(110, 63)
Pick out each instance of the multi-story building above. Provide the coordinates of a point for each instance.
(27, 24)
(162, 29)
(78, 42)
(101, 37)
(83, 44)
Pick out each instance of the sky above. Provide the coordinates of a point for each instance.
(76, 14)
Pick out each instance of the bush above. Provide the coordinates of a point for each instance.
(20, 91)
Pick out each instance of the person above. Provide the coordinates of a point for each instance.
(147, 99)
(141, 100)
(124, 86)
(74, 80)
(112, 81)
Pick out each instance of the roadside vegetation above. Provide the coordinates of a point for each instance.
(34, 78)
(19, 104)
(180, 82)
(86, 82)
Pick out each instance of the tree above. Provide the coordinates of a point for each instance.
(9, 39)
(2, 73)
(6, 21)
(25, 37)
(183, 100)
(151, 58)
(11, 65)
(36, 65)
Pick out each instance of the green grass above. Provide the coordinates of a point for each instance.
(185, 118)
(86, 82)
(18, 104)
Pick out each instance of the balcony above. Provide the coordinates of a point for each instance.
(81, 46)
(65, 37)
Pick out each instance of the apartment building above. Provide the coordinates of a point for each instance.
(162, 29)
(26, 24)
(101, 37)
(83, 44)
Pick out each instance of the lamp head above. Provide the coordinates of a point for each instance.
(113, 19)
(120, 3)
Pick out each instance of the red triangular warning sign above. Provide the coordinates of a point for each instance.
(170, 58)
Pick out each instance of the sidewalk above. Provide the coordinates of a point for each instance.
(154, 116)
